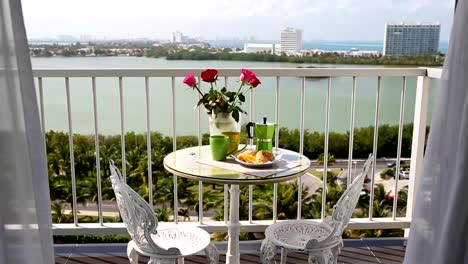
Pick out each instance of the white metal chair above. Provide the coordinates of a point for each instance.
(163, 245)
(323, 240)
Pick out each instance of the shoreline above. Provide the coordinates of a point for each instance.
(327, 62)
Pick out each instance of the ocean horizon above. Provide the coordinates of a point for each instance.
(347, 45)
(314, 44)
(320, 44)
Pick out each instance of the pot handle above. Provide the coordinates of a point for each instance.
(248, 127)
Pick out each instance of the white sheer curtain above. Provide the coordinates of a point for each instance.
(25, 222)
(439, 228)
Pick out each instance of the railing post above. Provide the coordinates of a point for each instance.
(419, 139)
(301, 149)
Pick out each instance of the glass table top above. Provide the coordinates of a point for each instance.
(184, 163)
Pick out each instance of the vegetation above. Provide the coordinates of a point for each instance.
(202, 51)
(330, 158)
(86, 184)
(324, 58)
(389, 172)
(77, 49)
(338, 142)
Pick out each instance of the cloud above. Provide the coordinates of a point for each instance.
(319, 19)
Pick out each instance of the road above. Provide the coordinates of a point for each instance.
(314, 183)
(343, 163)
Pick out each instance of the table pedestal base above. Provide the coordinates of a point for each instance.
(233, 252)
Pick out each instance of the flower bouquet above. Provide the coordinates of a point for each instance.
(222, 101)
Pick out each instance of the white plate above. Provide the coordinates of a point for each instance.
(278, 156)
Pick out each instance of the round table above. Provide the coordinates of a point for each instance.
(184, 163)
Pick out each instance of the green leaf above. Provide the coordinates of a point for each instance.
(224, 90)
(240, 110)
(235, 115)
(242, 98)
(201, 101)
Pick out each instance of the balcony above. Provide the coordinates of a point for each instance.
(396, 218)
(388, 251)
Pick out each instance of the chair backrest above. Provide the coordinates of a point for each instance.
(344, 208)
(138, 216)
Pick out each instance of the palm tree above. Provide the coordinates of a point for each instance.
(382, 206)
(402, 201)
(333, 194)
(86, 189)
(211, 199)
(61, 189)
(286, 201)
(164, 195)
(163, 214)
(58, 213)
(382, 202)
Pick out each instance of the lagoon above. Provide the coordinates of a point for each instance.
(186, 116)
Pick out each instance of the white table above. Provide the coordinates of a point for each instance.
(184, 163)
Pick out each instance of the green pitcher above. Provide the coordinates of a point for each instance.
(264, 132)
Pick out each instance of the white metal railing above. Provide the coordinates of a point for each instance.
(419, 127)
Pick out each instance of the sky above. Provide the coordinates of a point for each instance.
(337, 20)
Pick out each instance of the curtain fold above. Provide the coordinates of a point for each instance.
(25, 221)
(439, 228)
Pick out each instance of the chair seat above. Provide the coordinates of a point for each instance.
(188, 240)
(295, 234)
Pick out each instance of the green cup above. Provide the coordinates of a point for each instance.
(219, 145)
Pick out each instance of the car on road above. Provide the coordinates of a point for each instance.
(404, 175)
(393, 163)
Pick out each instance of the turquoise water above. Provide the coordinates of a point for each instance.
(334, 45)
(186, 116)
(325, 45)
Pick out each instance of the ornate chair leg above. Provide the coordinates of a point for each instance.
(267, 252)
(334, 254)
(316, 258)
(132, 254)
(162, 261)
(212, 254)
(284, 255)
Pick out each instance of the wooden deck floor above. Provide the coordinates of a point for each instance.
(387, 254)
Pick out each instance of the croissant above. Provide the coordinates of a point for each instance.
(264, 156)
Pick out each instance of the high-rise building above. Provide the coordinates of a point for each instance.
(291, 40)
(406, 39)
(178, 37)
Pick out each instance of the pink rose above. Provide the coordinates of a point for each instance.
(220, 101)
(246, 76)
(254, 82)
(190, 80)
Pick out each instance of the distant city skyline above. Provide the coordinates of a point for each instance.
(334, 20)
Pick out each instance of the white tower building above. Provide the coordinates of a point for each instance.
(291, 40)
